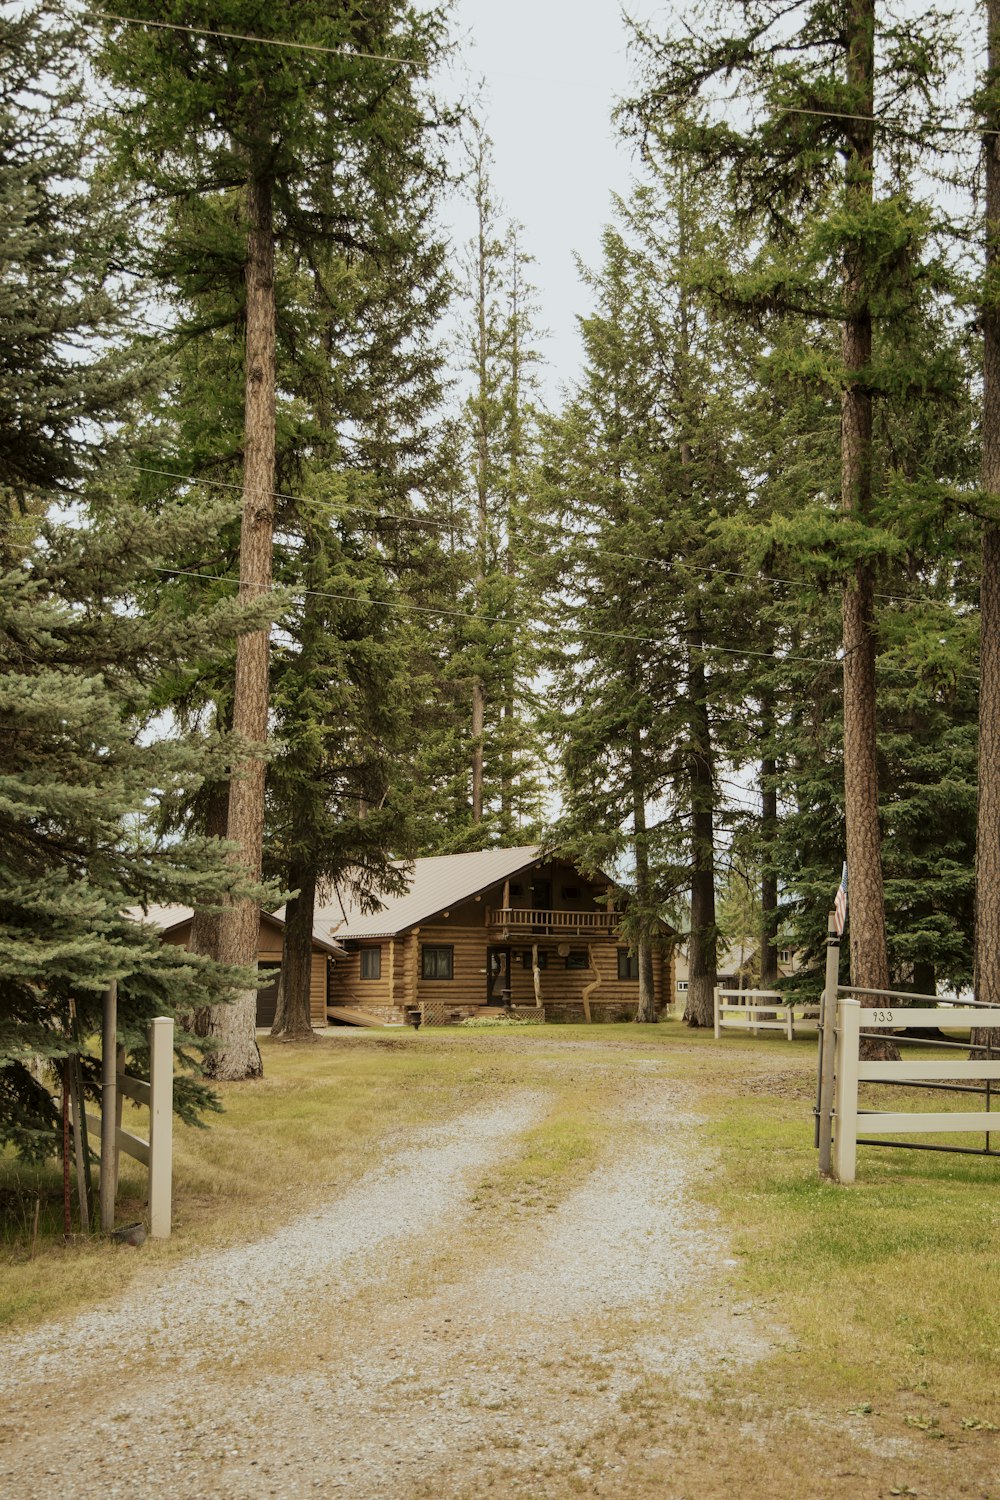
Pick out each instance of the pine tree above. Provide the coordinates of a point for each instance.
(640, 465)
(803, 171)
(308, 145)
(59, 301)
(498, 423)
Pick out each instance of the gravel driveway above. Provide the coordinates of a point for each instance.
(398, 1342)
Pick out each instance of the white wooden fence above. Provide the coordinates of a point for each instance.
(156, 1154)
(762, 1010)
(850, 1070)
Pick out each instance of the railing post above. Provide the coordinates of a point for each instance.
(109, 1108)
(161, 1124)
(715, 996)
(826, 1060)
(845, 1153)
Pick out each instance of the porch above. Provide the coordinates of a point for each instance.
(543, 922)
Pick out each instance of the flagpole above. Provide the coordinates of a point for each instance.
(827, 1046)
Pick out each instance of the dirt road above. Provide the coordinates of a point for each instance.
(420, 1335)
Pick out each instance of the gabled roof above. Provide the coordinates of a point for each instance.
(436, 883)
(166, 918)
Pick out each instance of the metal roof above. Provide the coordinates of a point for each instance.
(440, 881)
(168, 917)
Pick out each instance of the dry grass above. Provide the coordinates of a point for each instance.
(884, 1376)
(887, 1289)
(317, 1119)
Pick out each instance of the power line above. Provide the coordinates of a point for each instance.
(834, 114)
(409, 62)
(450, 526)
(586, 632)
(463, 614)
(263, 41)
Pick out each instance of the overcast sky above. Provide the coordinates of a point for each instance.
(552, 71)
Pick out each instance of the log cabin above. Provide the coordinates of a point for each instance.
(174, 923)
(492, 932)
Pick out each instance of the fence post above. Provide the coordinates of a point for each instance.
(827, 1025)
(715, 1001)
(845, 1154)
(161, 1124)
(109, 1112)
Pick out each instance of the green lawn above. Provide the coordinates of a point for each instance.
(884, 1291)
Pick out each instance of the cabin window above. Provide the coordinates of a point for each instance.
(577, 959)
(516, 889)
(543, 959)
(371, 963)
(437, 962)
(628, 964)
(682, 985)
(785, 955)
(571, 893)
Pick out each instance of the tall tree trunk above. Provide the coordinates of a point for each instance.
(987, 957)
(478, 721)
(646, 1008)
(768, 841)
(869, 954)
(205, 923)
(703, 940)
(924, 978)
(292, 1017)
(482, 475)
(236, 1054)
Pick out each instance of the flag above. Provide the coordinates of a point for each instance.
(840, 902)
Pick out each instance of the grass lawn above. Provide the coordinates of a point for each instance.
(885, 1293)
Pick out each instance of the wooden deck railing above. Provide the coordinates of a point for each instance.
(534, 919)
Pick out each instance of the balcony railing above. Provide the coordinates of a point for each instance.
(551, 923)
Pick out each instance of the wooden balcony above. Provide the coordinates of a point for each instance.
(543, 923)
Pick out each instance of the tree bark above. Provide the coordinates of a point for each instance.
(987, 948)
(869, 952)
(703, 941)
(478, 720)
(293, 1017)
(924, 978)
(646, 1008)
(205, 923)
(236, 1054)
(769, 871)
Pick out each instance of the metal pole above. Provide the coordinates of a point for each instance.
(827, 1052)
(109, 1107)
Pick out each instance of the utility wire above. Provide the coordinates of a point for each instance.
(887, 121)
(464, 614)
(443, 525)
(238, 36)
(584, 631)
(409, 62)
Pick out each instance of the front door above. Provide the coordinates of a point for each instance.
(498, 976)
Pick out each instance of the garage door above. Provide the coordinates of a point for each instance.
(267, 998)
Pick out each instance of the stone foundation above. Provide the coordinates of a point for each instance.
(602, 1012)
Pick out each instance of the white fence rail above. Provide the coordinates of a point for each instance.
(156, 1154)
(850, 1071)
(762, 1010)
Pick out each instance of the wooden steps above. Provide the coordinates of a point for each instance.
(351, 1016)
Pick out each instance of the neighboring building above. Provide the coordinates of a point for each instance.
(738, 968)
(175, 924)
(485, 932)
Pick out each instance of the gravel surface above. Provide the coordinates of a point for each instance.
(401, 1343)
(222, 1300)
